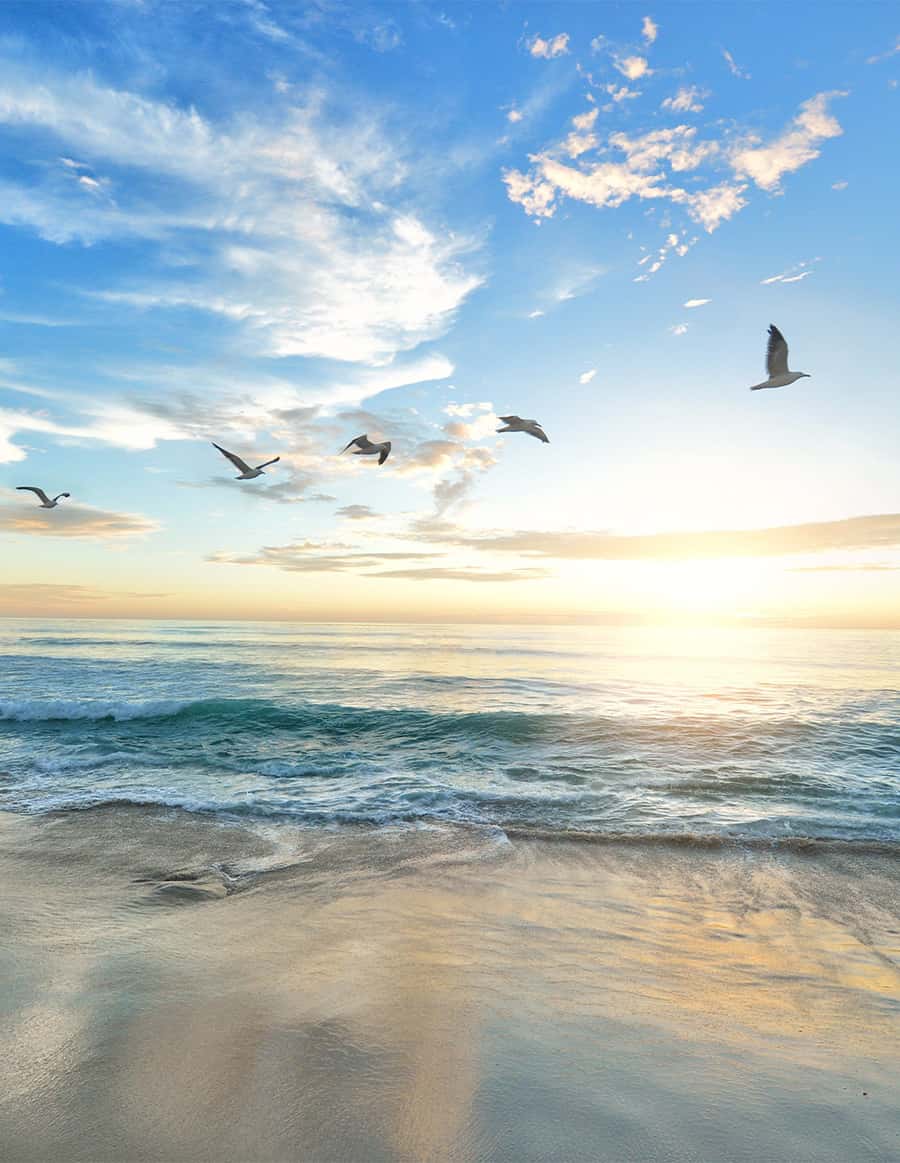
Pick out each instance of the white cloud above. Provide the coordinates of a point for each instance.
(716, 205)
(536, 314)
(678, 329)
(586, 377)
(734, 68)
(298, 245)
(514, 115)
(688, 99)
(697, 302)
(842, 185)
(620, 93)
(793, 274)
(557, 46)
(766, 164)
(633, 67)
(649, 30)
(891, 52)
(585, 121)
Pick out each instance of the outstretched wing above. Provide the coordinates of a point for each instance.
(776, 353)
(509, 419)
(537, 431)
(34, 489)
(361, 442)
(235, 460)
(385, 453)
(266, 463)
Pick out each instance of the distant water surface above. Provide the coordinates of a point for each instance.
(755, 735)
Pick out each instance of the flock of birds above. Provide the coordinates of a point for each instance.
(779, 376)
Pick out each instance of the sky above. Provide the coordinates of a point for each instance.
(277, 226)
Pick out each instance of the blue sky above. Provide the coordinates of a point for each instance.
(278, 225)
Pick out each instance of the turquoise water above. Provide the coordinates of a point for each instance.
(771, 735)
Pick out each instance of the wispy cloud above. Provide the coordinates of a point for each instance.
(793, 274)
(289, 224)
(891, 52)
(733, 67)
(649, 30)
(72, 520)
(586, 377)
(696, 302)
(880, 531)
(41, 596)
(688, 99)
(678, 329)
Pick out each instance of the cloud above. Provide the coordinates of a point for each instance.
(620, 93)
(794, 274)
(286, 223)
(633, 67)
(767, 164)
(557, 46)
(880, 531)
(872, 567)
(73, 520)
(678, 329)
(18, 596)
(649, 30)
(891, 52)
(318, 557)
(688, 99)
(696, 302)
(356, 512)
(716, 205)
(586, 377)
(673, 244)
(734, 68)
(585, 121)
(440, 573)
(842, 185)
(514, 115)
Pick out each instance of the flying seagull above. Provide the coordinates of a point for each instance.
(46, 502)
(517, 424)
(366, 447)
(247, 473)
(777, 363)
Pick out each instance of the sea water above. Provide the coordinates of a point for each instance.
(744, 735)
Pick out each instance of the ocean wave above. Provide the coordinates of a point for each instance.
(284, 850)
(56, 710)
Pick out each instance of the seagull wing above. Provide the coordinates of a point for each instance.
(266, 463)
(776, 353)
(510, 419)
(385, 453)
(361, 442)
(36, 490)
(235, 460)
(538, 433)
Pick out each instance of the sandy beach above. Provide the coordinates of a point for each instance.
(180, 988)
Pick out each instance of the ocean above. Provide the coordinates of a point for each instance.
(751, 736)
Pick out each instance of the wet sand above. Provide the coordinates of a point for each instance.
(175, 989)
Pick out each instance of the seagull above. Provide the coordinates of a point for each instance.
(777, 363)
(366, 447)
(517, 424)
(46, 502)
(247, 473)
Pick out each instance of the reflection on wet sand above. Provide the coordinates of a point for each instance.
(437, 995)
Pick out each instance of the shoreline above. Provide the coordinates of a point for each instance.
(181, 990)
